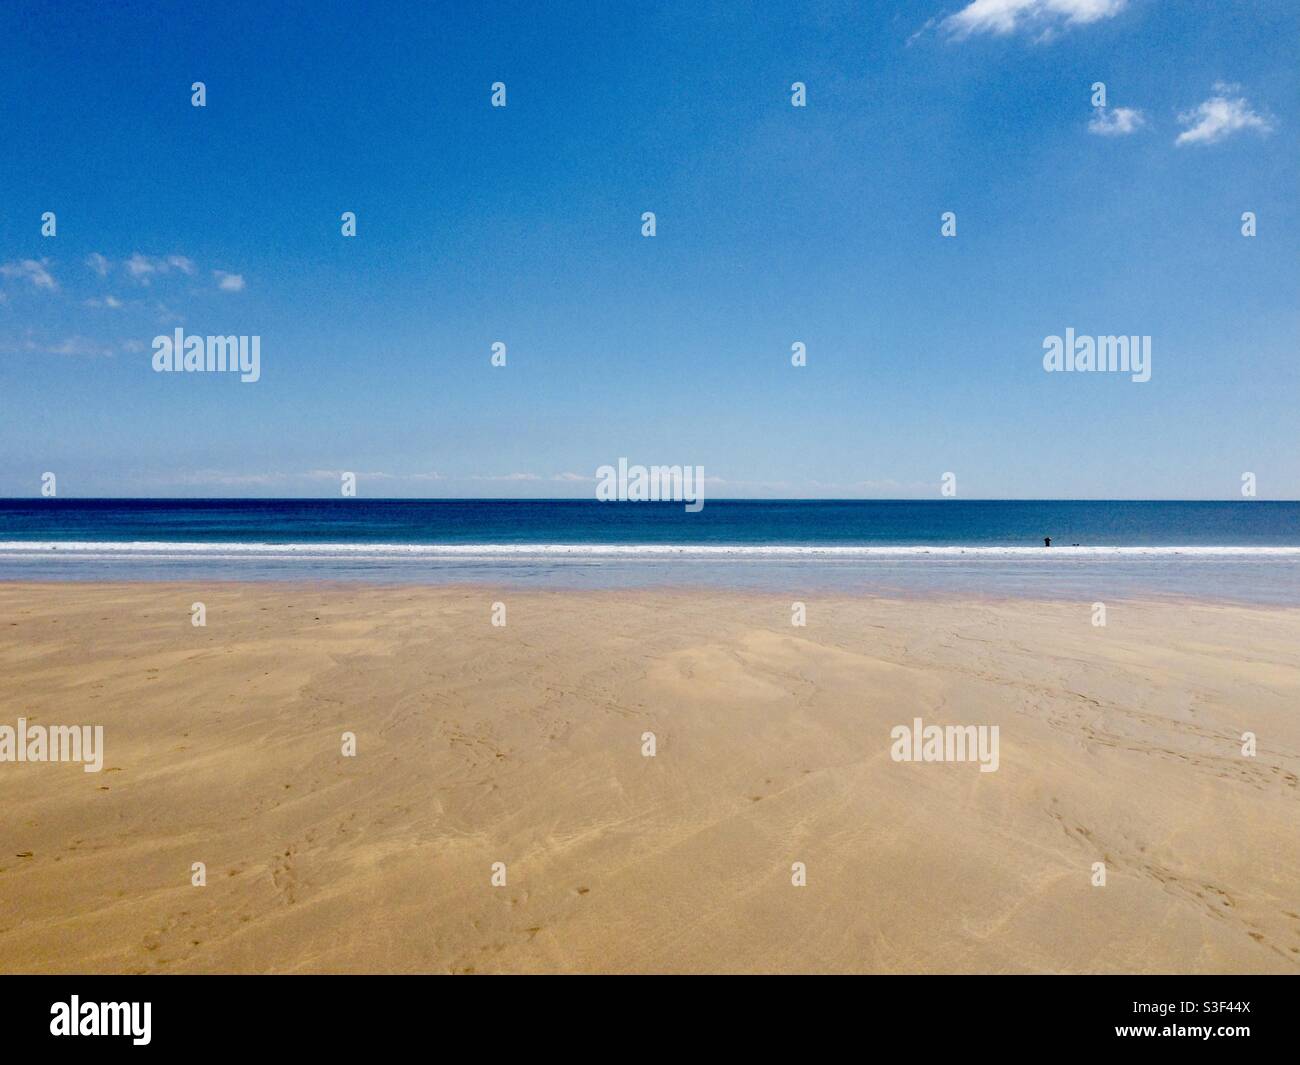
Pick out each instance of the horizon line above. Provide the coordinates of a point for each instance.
(592, 499)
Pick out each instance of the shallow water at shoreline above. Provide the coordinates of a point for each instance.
(1249, 577)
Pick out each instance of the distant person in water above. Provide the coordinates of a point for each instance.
(1047, 541)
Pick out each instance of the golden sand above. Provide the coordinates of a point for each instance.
(523, 745)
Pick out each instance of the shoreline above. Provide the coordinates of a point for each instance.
(1241, 579)
(620, 550)
(902, 597)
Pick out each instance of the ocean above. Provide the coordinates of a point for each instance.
(1245, 550)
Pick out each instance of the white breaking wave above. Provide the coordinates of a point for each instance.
(91, 548)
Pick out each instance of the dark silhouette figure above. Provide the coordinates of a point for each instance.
(1047, 541)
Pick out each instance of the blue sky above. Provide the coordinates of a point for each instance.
(775, 224)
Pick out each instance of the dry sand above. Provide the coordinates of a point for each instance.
(523, 745)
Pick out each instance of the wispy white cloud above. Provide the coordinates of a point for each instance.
(78, 345)
(71, 345)
(1044, 17)
(34, 271)
(456, 485)
(140, 267)
(1116, 121)
(372, 475)
(166, 315)
(1220, 116)
(534, 478)
(143, 268)
(110, 302)
(222, 479)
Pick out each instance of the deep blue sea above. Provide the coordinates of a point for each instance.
(1247, 550)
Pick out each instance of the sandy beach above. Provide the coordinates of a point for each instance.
(523, 744)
